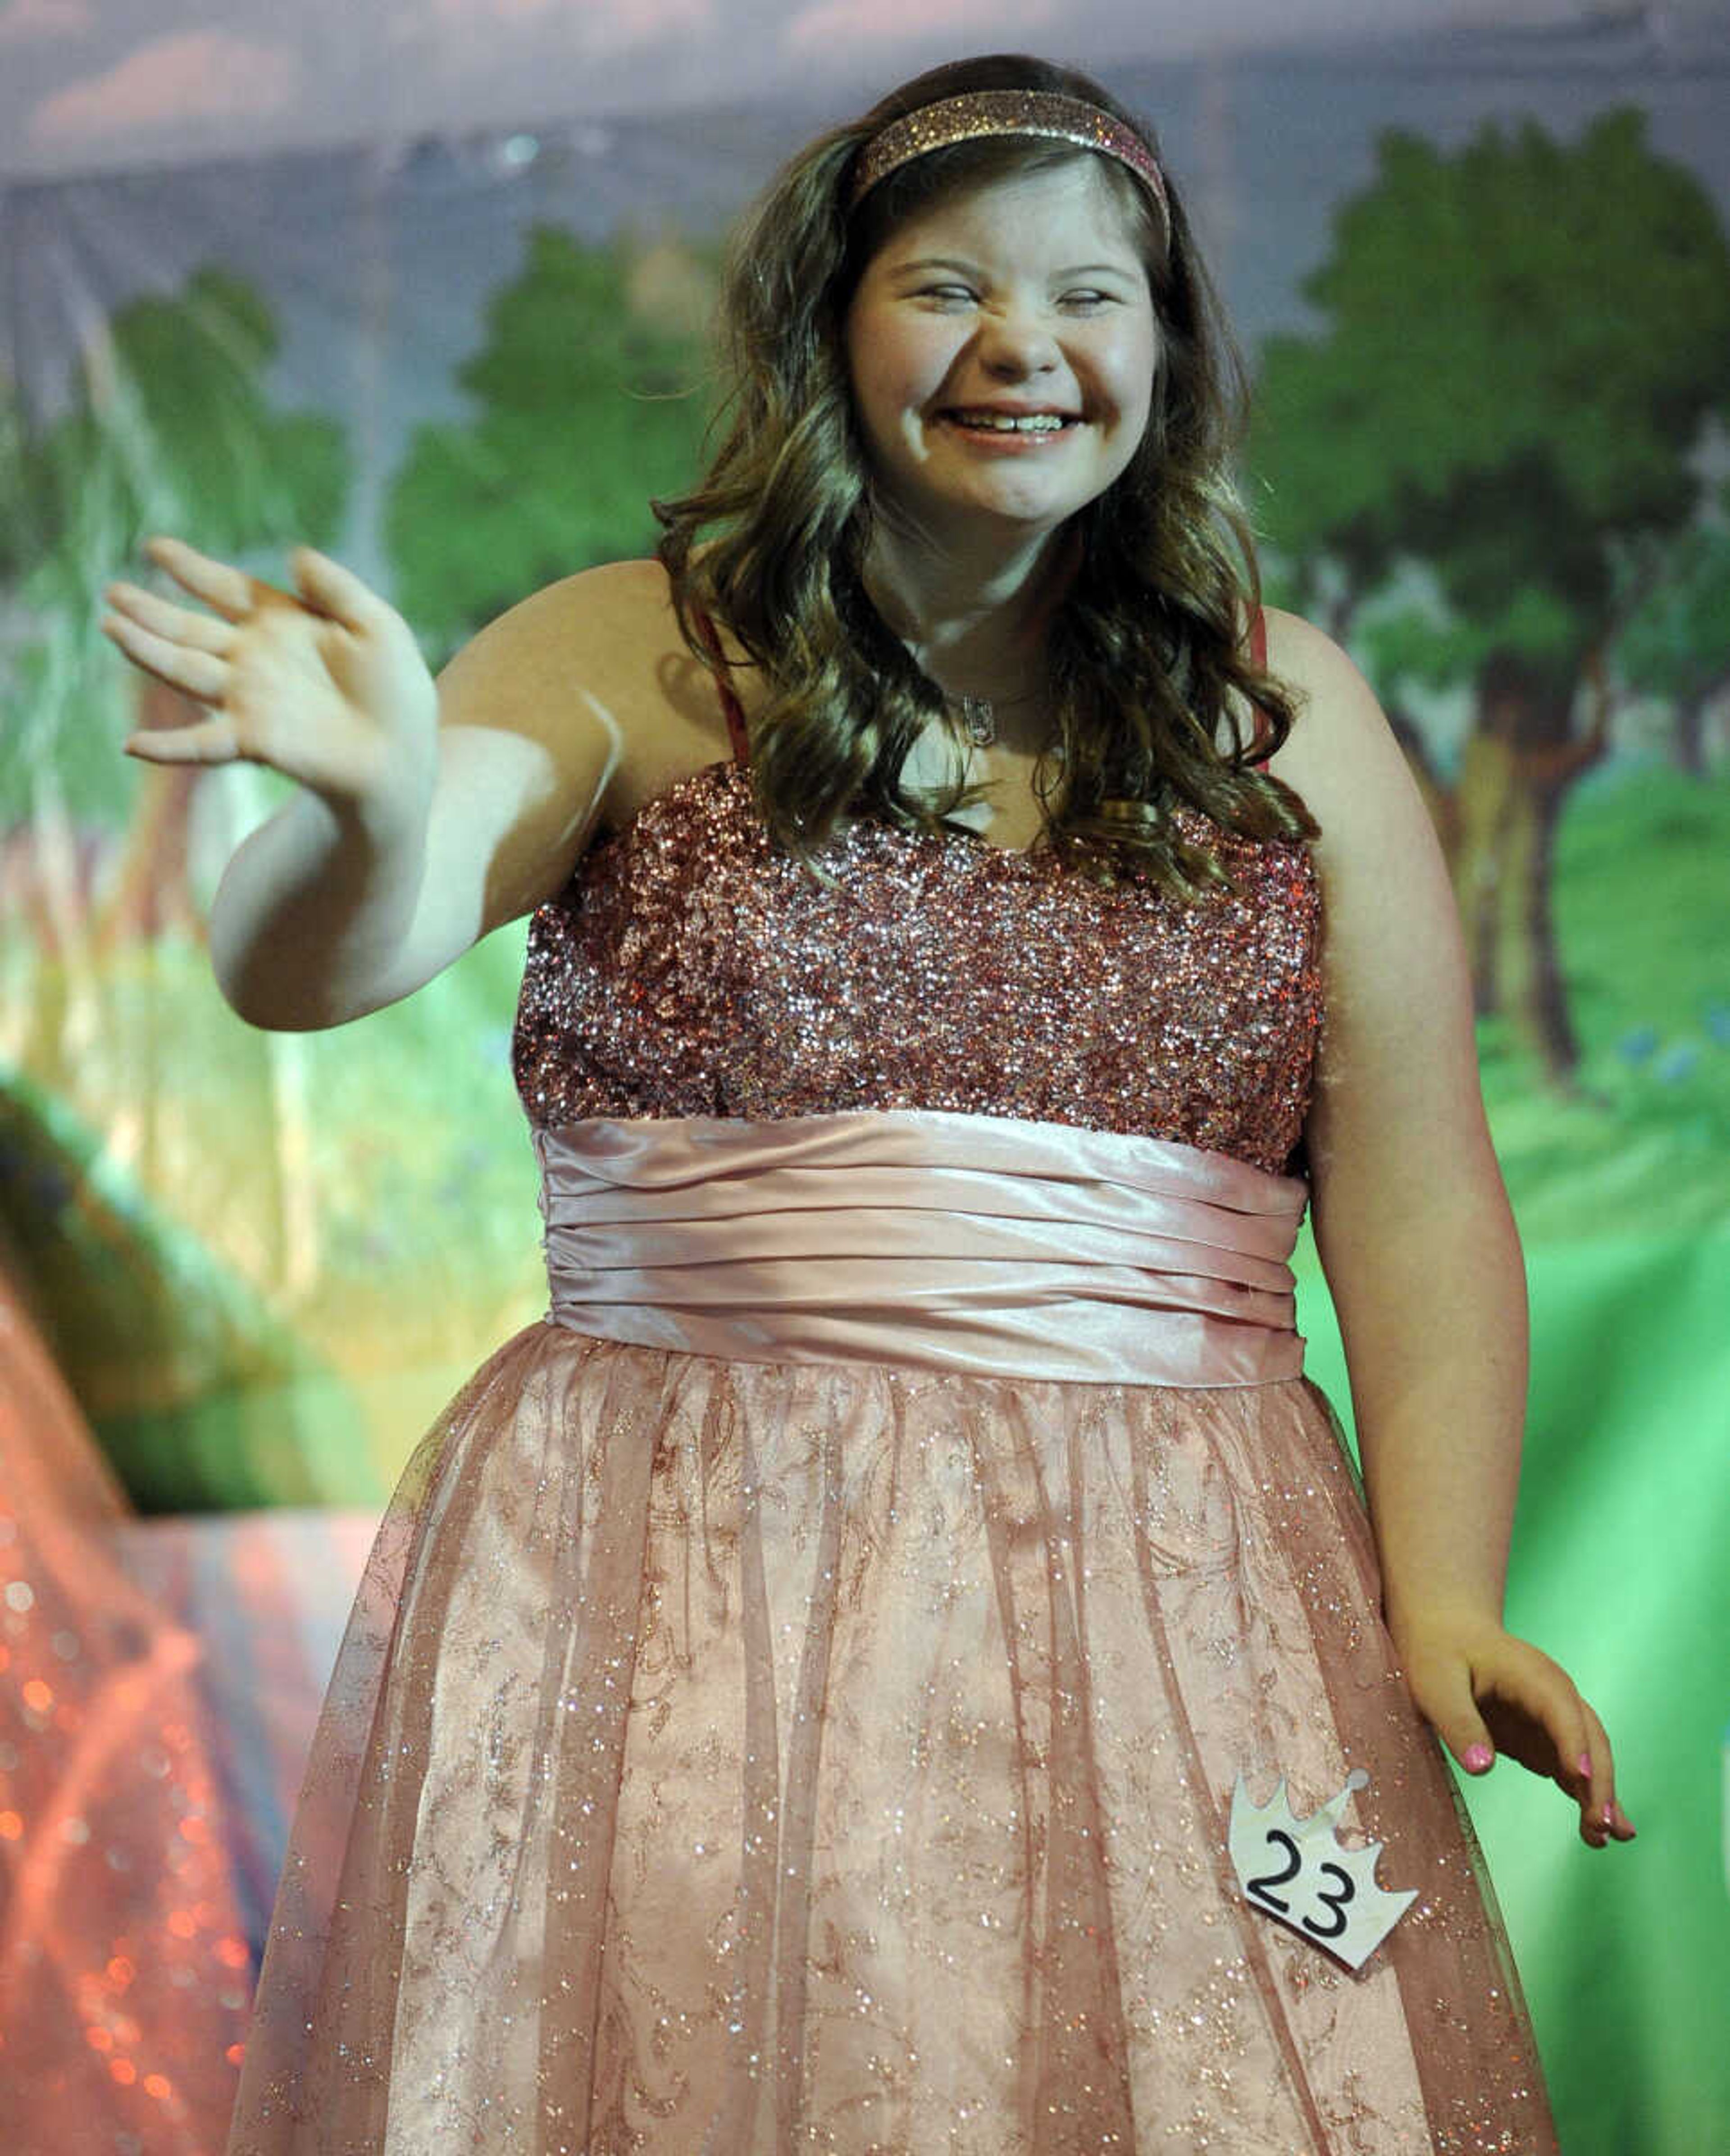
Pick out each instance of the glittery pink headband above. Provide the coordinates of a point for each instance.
(986, 112)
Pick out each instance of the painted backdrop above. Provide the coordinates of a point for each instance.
(1487, 296)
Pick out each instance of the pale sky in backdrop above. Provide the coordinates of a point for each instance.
(93, 84)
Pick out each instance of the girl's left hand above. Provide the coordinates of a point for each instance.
(1484, 1691)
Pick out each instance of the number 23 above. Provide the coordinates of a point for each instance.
(1334, 1902)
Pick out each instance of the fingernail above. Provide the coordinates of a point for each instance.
(1584, 1764)
(1477, 1760)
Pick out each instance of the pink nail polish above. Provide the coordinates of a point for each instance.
(1584, 1763)
(1477, 1760)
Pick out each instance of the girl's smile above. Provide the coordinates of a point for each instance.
(1002, 348)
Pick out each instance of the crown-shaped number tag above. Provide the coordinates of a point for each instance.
(1299, 1870)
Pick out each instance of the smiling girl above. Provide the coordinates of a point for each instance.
(799, 1694)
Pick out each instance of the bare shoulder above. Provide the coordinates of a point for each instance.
(1340, 740)
(1396, 1073)
(600, 648)
(1396, 972)
(584, 632)
(1340, 755)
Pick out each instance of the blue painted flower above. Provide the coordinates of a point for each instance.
(1640, 1045)
(1678, 1063)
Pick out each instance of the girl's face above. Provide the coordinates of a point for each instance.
(1001, 348)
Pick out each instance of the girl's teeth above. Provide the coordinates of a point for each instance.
(1008, 422)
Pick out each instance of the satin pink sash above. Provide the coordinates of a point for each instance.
(949, 1242)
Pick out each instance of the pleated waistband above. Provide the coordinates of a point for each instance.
(950, 1242)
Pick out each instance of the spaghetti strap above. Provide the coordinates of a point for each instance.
(1258, 638)
(732, 709)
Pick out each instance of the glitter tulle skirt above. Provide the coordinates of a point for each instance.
(740, 1754)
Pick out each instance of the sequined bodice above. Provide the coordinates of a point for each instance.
(690, 968)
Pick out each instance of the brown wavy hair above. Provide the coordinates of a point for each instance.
(1150, 677)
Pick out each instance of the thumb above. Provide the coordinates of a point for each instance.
(330, 589)
(1447, 1705)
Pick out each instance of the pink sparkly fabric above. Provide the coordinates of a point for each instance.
(812, 1747)
(694, 970)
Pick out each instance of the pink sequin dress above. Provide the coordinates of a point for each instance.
(796, 1699)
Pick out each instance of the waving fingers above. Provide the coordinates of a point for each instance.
(198, 654)
(330, 589)
(213, 739)
(324, 683)
(185, 650)
(229, 591)
(163, 617)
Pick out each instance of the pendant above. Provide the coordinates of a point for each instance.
(979, 716)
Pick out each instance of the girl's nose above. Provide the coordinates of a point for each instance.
(1017, 343)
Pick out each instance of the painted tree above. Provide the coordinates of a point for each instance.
(12, 485)
(1675, 641)
(1519, 344)
(171, 426)
(589, 390)
(170, 423)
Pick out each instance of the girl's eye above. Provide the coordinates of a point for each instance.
(1088, 303)
(955, 294)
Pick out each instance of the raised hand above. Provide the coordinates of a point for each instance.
(324, 683)
(424, 815)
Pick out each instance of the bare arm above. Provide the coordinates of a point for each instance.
(1419, 1245)
(425, 816)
